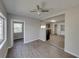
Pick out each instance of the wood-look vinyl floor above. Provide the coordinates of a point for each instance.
(57, 41)
(36, 49)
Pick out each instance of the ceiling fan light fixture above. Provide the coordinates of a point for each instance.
(39, 9)
(38, 13)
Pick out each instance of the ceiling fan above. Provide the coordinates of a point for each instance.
(39, 10)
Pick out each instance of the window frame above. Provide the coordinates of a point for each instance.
(62, 27)
(3, 29)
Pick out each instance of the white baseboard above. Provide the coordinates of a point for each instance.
(30, 41)
(72, 53)
(6, 53)
(43, 40)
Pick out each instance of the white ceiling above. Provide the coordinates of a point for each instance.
(59, 18)
(23, 7)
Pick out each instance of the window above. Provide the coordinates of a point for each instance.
(1, 30)
(62, 27)
(17, 27)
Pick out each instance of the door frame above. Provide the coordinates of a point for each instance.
(12, 30)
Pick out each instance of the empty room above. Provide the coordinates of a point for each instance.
(39, 28)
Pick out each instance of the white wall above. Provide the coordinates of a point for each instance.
(72, 31)
(32, 28)
(43, 32)
(4, 48)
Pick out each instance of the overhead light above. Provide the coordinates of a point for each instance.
(43, 26)
(53, 20)
(38, 13)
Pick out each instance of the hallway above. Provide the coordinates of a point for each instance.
(36, 49)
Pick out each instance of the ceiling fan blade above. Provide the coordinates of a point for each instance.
(33, 11)
(44, 10)
(38, 7)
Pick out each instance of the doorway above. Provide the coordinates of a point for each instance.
(57, 33)
(17, 32)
